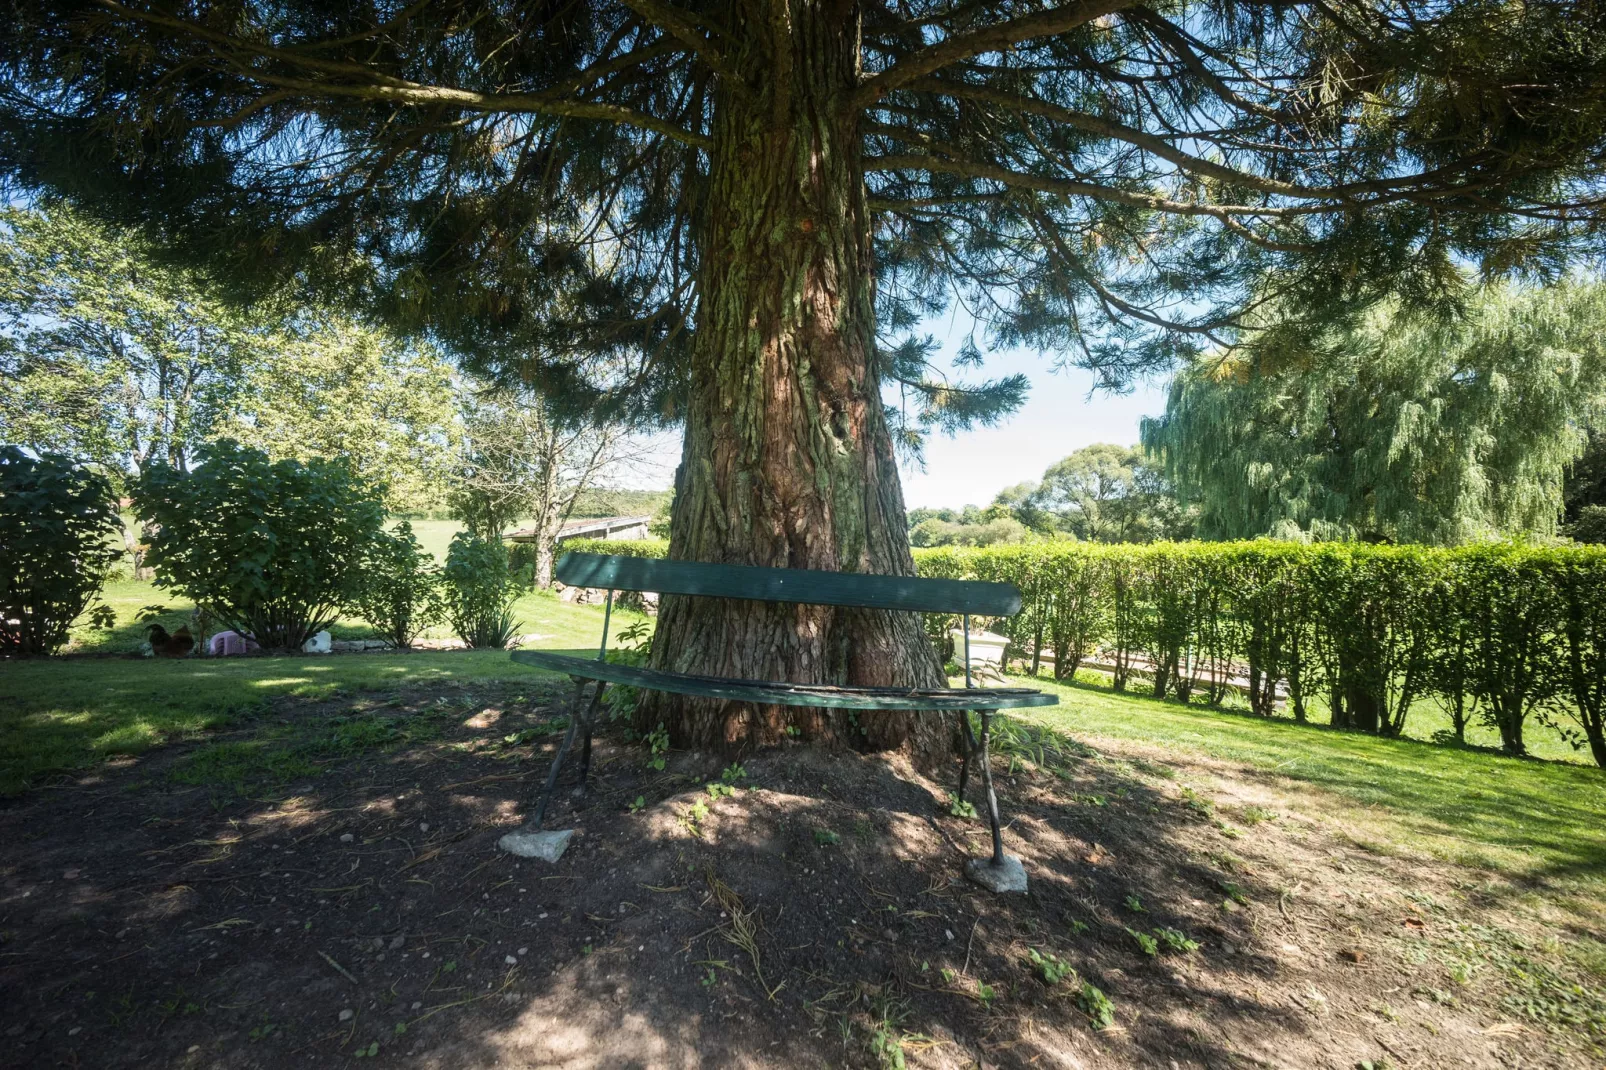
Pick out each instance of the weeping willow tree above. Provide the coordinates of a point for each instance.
(734, 215)
(1400, 427)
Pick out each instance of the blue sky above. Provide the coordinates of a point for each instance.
(1059, 416)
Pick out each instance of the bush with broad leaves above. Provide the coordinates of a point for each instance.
(57, 520)
(480, 591)
(399, 593)
(272, 549)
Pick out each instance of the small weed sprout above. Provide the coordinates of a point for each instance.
(733, 773)
(717, 790)
(1134, 904)
(658, 747)
(638, 804)
(1096, 1005)
(986, 993)
(1051, 968)
(958, 807)
(1235, 893)
(1175, 940)
(826, 838)
(1146, 943)
(1198, 803)
(887, 1049)
(948, 976)
(692, 818)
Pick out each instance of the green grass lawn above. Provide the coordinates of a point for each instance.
(70, 713)
(1524, 817)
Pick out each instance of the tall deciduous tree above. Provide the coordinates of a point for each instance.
(1107, 493)
(747, 205)
(1408, 428)
(328, 386)
(112, 357)
(108, 356)
(520, 460)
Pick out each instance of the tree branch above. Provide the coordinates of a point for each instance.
(962, 46)
(1071, 188)
(377, 86)
(678, 25)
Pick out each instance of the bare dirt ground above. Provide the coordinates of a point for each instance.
(176, 913)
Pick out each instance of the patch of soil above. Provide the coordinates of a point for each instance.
(814, 917)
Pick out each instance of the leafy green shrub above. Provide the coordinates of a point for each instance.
(399, 593)
(273, 549)
(56, 523)
(479, 591)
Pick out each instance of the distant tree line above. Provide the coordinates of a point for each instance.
(1100, 493)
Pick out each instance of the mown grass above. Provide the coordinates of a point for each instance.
(65, 714)
(1529, 818)
(537, 611)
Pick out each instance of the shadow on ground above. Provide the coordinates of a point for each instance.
(329, 889)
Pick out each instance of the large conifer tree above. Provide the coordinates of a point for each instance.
(729, 213)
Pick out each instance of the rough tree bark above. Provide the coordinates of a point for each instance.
(787, 460)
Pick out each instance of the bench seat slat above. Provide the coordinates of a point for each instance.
(805, 586)
(784, 694)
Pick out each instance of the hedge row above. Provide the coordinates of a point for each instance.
(1501, 634)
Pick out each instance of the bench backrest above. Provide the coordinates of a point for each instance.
(803, 586)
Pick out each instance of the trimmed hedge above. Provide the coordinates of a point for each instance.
(619, 547)
(1501, 633)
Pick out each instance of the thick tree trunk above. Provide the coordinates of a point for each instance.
(787, 460)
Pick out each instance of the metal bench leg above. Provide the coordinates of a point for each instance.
(987, 782)
(970, 749)
(557, 759)
(585, 746)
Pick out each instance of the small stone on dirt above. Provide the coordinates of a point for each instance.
(347, 1015)
(397, 942)
(346, 837)
(547, 846)
(511, 960)
(423, 826)
(1010, 876)
(524, 951)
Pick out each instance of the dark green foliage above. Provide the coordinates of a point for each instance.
(479, 591)
(399, 592)
(1583, 612)
(602, 501)
(1109, 182)
(1590, 525)
(273, 550)
(56, 522)
(1585, 485)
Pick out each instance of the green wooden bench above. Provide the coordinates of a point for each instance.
(798, 586)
